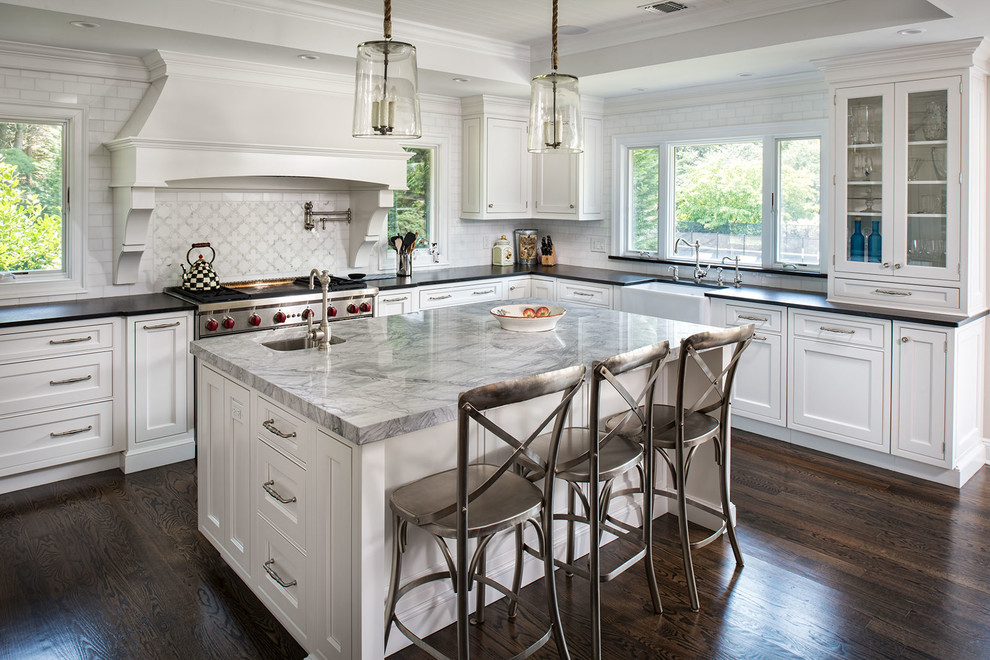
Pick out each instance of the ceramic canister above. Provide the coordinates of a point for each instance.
(502, 252)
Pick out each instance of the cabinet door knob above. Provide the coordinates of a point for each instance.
(491, 206)
(897, 265)
(905, 340)
(885, 264)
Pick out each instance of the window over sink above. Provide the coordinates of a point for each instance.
(752, 192)
(420, 208)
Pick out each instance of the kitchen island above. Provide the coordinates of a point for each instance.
(298, 451)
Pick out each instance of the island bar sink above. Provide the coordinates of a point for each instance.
(298, 343)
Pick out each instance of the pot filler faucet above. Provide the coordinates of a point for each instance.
(699, 272)
(324, 339)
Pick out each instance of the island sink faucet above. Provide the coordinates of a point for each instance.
(324, 277)
(699, 272)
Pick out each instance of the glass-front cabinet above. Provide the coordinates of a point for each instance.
(897, 212)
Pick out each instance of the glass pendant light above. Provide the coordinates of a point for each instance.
(386, 98)
(554, 108)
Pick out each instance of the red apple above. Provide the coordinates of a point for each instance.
(529, 313)
(543, 311)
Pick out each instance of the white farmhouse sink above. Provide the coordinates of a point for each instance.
(670, 300)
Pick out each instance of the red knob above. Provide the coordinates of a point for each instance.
(254, 319)
(228, 323)
(365, 307)
(352, 308)
(306, 313)
(279, 317)
(212, 325)
(332, 311)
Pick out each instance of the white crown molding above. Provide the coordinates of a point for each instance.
(121, 144)
(439, 105)
(314, 10)
(742, 90)
(963, 53)
(51, 59)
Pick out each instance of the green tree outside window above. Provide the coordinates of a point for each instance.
(413, 207)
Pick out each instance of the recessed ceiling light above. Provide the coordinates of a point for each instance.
(571, 29)
(84, 24)
(744, 75)
(309, 57)
(461, 80)
(910, 31)
(639, 89)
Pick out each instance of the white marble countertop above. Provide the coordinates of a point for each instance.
(403, 373)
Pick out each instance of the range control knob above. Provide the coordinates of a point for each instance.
(332, 311)
(228, 323)
(365, 307)
(279, 317)
(254, 319)
(352, 309)
(306, 313)
(212, 325)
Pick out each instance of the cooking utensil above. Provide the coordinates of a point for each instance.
(396, 242)
(200, 276)
(408, 241)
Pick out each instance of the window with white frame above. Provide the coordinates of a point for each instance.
(751, 192)
(41, 225)
(418, 208)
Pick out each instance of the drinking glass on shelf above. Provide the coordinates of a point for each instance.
(913, 167)
(938, 162)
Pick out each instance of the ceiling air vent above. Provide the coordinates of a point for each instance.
(663, 7)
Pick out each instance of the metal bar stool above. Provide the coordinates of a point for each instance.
(594, 459)
(685, 428)
(479, 499)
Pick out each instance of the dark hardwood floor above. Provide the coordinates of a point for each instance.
(842, 560)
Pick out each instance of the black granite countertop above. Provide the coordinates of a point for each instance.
(76, 310)
(464, 274)
(817, 302)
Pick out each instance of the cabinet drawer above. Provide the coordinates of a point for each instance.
(842, 329)
(50, 342)
(56, 382)
(460, 295)
(766, 319)
(29, 442)
(896, 295)
(582, 292)
(281, 485)
(282, 579)
(282, 429)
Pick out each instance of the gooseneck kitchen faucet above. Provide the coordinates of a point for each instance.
(324, 278)
(699, 272)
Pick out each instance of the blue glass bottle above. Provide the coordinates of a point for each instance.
(875, 244)
(857, 242)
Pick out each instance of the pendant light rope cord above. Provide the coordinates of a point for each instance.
(388, 19)
(553, 38)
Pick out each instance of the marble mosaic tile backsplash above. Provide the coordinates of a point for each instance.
(255, 235)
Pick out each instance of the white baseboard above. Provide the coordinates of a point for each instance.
(58, 473)
(156, 453)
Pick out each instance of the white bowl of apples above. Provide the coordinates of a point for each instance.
(528, 318)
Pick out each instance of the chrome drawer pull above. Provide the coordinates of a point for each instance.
(161, 326)
(759, 338)
(270, 425)
(441, 297)
(74, 340)
(891, 292)
(753, 318)
(395, 299)
(73, 432)
(70, 380)
(275, 576)
(269, 487)
(841, 331)
(582, 293)
(482, 293)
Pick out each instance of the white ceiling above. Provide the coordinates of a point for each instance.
(499, 45)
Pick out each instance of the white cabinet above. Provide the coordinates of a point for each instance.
(495, 165)
(448, 295)
(518, 287)
(160, 390)
(63, 385)
(586, 293)
(569, 186)
(401, 301)
(908, 214)
(224, 467)
(760, 385)
(543, 287)
(839, 378)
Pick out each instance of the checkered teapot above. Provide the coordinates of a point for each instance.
(200, 276)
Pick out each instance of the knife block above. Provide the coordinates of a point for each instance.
(550, 259)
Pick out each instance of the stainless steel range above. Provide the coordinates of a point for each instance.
(266, 305)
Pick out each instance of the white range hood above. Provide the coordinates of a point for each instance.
(213, 123)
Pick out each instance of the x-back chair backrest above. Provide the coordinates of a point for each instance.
(473, 404)
(719, 386)
(609, 370)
